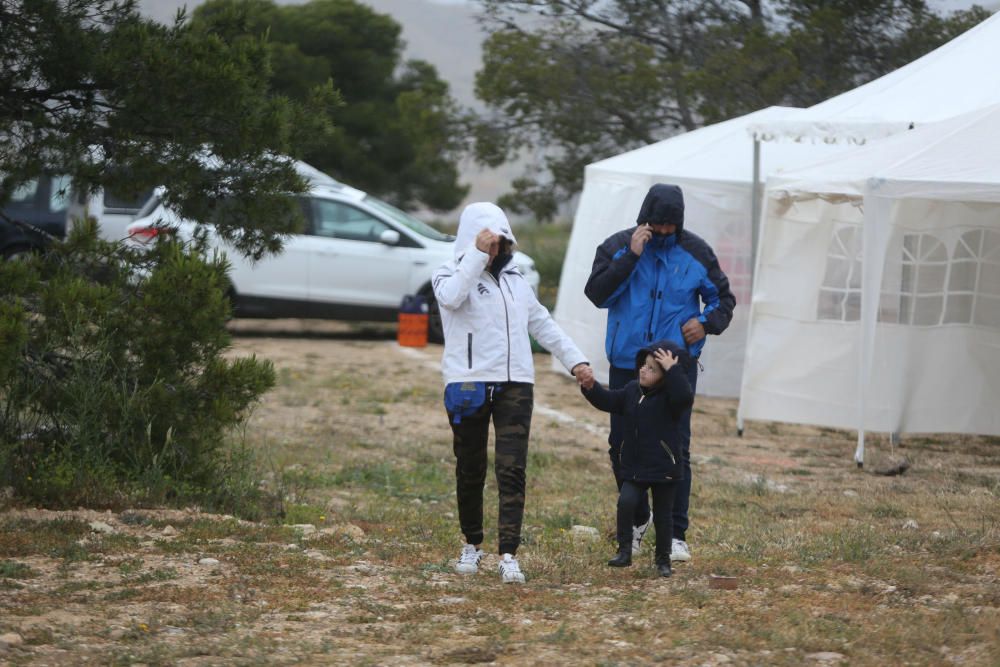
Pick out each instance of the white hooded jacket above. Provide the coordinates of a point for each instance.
(487, 321)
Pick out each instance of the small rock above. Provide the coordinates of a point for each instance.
(364, 569)
(826, 656)
(793, 569)
(168, 531)
(910, 524)
(893, 468)
(101, 527)
(936, 534)
(351, 531)
(788, 589)
(526, 621)
(11, 639)
(208, 562)
(416, 501)
(305, 528)
(585, 533)
(851, 493)
(315, 554)
(452, 600)
(292, 547)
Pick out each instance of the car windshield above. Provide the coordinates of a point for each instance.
(394, 214)
(148, 207)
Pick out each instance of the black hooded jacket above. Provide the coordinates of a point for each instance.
(651, 451)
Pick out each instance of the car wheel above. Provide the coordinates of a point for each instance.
(435, 329)
(19, 252)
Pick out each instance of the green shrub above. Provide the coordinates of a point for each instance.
(114, 384)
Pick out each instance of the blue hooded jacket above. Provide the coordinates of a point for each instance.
(649, 297)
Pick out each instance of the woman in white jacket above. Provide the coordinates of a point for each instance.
(488, 311)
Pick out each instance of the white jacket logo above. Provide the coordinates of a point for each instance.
(482, 289)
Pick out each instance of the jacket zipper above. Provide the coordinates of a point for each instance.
(470, 350)
(506, 317)
(652, 311)
(669, 453)
(635, 433)
(655, 294)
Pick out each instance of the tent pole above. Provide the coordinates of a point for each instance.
(755, 210)
(754, 234)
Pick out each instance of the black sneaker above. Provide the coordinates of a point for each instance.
(663, 568)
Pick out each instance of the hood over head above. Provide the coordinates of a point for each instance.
(663, 205)
(476, 217)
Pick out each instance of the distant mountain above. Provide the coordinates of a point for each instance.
(446, 35)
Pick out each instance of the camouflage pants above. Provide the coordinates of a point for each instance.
(510, 410)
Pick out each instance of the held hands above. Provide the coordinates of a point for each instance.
(665, 358)
(640, 237)
(584, 375)
(693, 331)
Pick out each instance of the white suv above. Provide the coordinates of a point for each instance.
(355, 260)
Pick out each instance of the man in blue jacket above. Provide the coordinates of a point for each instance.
(658, 281)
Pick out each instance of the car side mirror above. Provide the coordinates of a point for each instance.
(389, 237)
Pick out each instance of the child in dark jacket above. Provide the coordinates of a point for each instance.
(650, 457)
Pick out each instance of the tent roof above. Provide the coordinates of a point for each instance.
(958, 151)
(722, 152)
(954, 78)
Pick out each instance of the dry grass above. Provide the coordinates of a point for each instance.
(835, 565)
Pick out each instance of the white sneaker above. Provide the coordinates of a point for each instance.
(679, 551)
(510, 571)
(468, 560)
(639, 532)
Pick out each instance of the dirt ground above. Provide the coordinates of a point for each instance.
(833, 565)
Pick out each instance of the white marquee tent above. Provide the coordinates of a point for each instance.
(877, 297)
(953, 79)
(714, 166)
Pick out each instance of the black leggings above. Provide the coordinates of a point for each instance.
(633, 493)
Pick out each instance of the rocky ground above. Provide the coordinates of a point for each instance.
(832, 565)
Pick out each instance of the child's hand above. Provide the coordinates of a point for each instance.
(665, 358)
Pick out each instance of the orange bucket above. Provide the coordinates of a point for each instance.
(413, 322)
